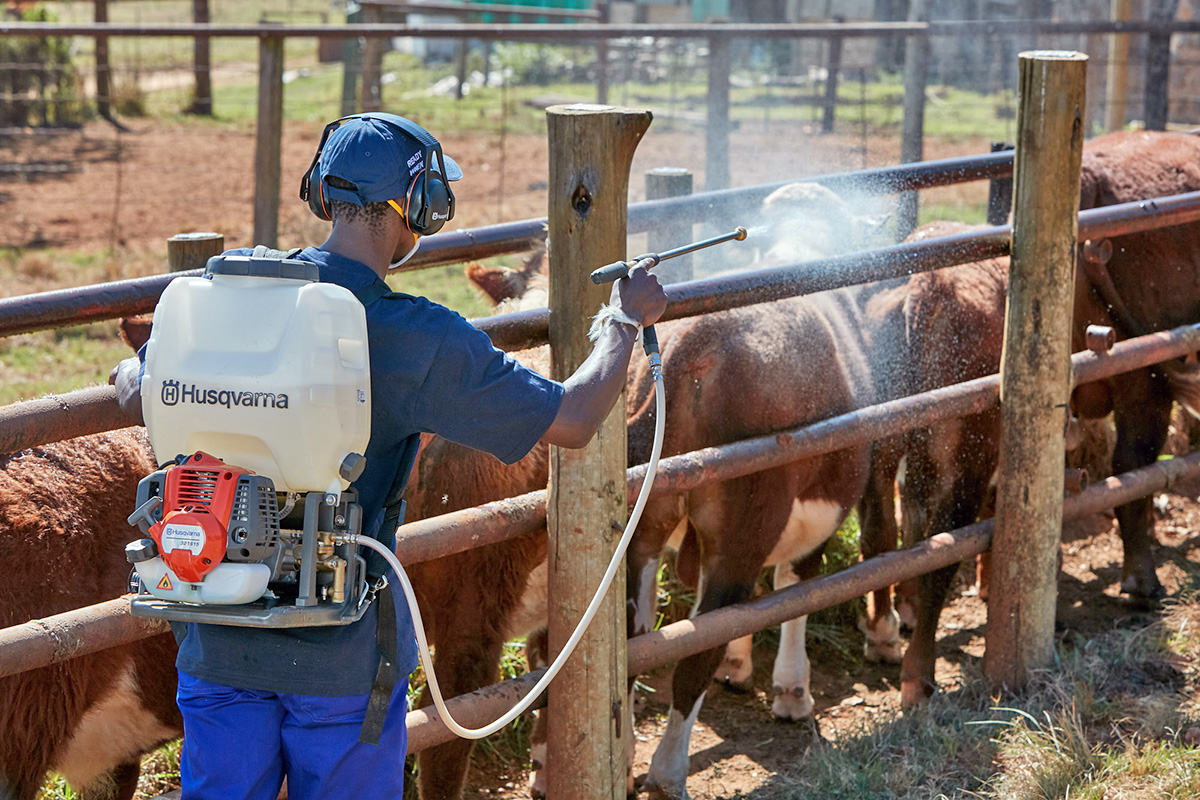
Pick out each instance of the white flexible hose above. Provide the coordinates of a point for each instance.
(552, 671)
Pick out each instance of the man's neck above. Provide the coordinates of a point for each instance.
(360, 246)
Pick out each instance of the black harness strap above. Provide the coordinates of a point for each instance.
(385, 677)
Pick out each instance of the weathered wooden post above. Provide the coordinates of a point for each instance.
(833, 68)
(192, 250)
(267, 165)
(103, 84)
(1000, 192)
(716, 136)
(1036, 366)
(372, 62)
(1158, 67)
(202, 62)
(912, 141)
(591, 150)
(661, 183)
(1117, 86)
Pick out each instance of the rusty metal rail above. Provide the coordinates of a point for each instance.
(52, 640)
(130, 297)
(591, 32)
(714, 628)
(528, 328)
(495, 522)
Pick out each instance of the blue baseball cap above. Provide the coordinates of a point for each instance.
(378, 157)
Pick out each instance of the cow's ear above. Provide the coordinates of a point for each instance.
(494, 282)
(135, 331)
(1092, 400)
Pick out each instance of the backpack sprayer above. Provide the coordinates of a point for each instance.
(218, 548)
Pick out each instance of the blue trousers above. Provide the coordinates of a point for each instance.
(240, 743)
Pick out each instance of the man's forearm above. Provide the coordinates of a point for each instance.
(593, 388)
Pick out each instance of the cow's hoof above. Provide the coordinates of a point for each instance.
(1143, 594)
(671, 792)
(914, 693)
(792, 705)
(736, 674)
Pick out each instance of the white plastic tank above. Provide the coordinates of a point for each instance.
(264, 367)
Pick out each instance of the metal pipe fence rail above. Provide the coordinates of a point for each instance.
(57, 309)
(22, 427)
(591, 32)
(97, 627)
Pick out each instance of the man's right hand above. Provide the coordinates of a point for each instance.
(640, 296)
(126, 377)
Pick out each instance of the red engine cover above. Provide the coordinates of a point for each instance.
(198, 499)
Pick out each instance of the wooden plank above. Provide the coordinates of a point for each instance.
(912, 136)
(1117, 87)
(716, 141)
(661, 183)
(1035, 368)
(267, 167)
(202, 66)
(103, 83)
(591, 150)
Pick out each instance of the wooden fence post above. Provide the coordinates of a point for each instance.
(103, 82)
(716, 137)
(1117, 85)
(1158, 68)
(661, 183)
(831, 79)
(372, 62)
(267, 165)
(602, 54)
(202, 102)
(591, 150)
(192, 250)
(1000, 192)
(912, 141)
(1036, 365)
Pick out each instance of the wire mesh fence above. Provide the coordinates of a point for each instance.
(156, 169)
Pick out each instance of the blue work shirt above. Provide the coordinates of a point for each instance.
(431, 372)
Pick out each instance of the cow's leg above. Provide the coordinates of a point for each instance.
(877, 521)
(1142, 412)
(791, 677)
(537, 656)
(669, 766)
(949, 470)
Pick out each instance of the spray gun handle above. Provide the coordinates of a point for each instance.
(619, 269)
(650, 341)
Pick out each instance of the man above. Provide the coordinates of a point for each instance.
(259, 704)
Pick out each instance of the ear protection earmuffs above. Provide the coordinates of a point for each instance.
(429, 203)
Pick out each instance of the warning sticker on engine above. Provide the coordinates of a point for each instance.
(165, 583)
(182, 537)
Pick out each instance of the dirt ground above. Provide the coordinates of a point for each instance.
(102, 189)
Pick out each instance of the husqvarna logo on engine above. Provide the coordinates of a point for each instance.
(174, 392)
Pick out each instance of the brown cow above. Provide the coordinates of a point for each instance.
(62, 520)
(1151, 282)
(740, 374)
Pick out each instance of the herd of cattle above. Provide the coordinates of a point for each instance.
(730, 376)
